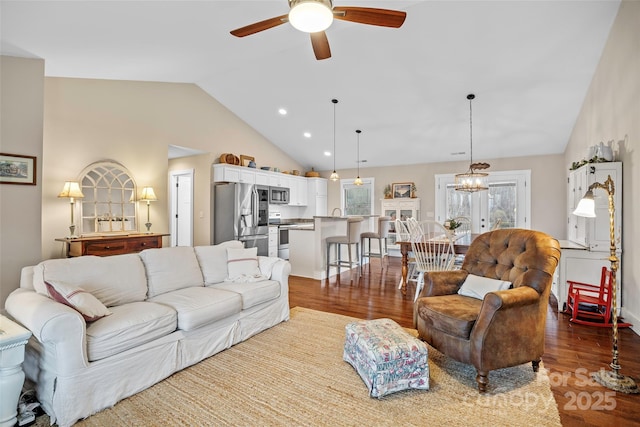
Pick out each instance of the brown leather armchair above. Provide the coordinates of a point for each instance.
(504, 329)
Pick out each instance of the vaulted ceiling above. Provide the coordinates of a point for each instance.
(529, 63)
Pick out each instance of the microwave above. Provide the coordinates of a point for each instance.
(278, 195)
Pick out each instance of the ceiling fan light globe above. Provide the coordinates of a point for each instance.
(311, 16)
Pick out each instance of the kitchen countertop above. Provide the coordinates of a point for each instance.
(345, 217)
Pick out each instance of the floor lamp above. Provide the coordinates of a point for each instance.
(611, 379)
(71, 191)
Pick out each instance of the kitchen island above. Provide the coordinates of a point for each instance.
(307, 245)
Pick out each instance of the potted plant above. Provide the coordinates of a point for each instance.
(387, 192)
(414, 190)
(452, 225)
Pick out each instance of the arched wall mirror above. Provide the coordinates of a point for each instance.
(109, 203)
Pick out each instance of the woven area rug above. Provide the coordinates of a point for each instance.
(293, 375)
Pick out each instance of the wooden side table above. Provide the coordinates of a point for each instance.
(105, 245)
(13, 338)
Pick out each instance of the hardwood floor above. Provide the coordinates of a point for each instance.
(572, 351)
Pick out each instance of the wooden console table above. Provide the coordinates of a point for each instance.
(111, 245)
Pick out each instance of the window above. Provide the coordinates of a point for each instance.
(109, 203)
(357, 199)
(507, 203)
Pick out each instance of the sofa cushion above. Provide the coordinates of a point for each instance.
(80, 300)
(451, 314)
(169, 269)
(199, 306)
(242, 265)
(114, 280)
(213, 260)
(129, 326)
(478, 286)
(253, 293)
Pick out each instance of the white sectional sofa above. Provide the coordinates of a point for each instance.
(169, 308)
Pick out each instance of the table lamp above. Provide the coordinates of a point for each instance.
(71, 190)
(149, 196)
(586, 207)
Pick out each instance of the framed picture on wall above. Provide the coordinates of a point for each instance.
(17, 169)
(401, 190)
(245, 160)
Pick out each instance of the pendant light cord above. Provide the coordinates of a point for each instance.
(335, 101)
(358, 149)
(470, 97)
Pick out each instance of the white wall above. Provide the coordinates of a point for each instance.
(133, 123)
(548, 186)
(21, 95)
(611, 112)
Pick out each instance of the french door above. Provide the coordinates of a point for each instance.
(507, 203)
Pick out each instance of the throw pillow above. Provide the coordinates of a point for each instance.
(478, 286)
(77, 298)
(242, 265)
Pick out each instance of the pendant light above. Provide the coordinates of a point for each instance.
(358, 181)
(334, 176)
(472, 181)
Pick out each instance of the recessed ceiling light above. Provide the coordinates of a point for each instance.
(327, 153)
(282, 111)
(307, 134)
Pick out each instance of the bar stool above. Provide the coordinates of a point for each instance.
(354, 224)
(384, 225)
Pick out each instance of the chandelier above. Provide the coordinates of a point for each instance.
(472, 180)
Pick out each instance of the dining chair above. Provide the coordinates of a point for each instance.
(465, 224)
(464, 228)
(403, 235)
(432, 249)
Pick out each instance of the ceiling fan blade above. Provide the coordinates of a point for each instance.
(260, 26)
(320, 45)
(371, 16)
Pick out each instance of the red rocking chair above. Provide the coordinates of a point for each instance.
(591, 304)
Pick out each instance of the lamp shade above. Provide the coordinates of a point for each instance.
(311, 16)
(587, 206)
(71, 190)
(148, 194)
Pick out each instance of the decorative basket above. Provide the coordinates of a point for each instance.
(312, 174)
(230, 159)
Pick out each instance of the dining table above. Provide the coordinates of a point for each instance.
(461, 243)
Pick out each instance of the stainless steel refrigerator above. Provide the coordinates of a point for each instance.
(241, 212)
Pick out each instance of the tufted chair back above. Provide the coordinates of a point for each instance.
(506, 327)
(516, 255)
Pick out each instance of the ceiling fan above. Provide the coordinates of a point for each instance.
(315, 16)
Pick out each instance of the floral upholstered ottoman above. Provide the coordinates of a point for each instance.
(386, 356)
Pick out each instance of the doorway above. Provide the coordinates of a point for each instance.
(181, 200)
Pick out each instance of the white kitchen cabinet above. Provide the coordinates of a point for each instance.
(278, 179)
(316, 197)
(262, 178)
(586, 249)
(297, 191)
(229, 173)
(273, 241)
(402, 209)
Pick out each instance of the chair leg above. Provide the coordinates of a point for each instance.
(419, 285)
(483, 381)
(536, 365)
(328, 259)
(338, 257)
